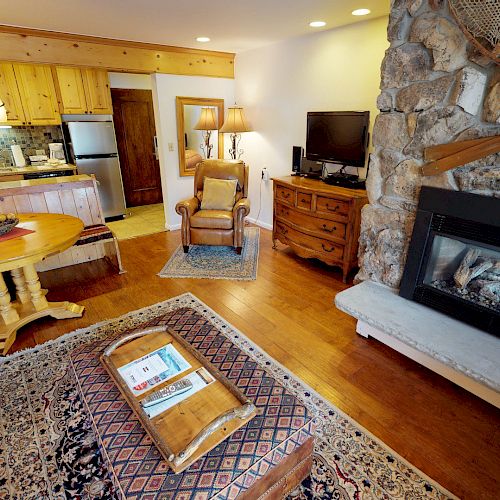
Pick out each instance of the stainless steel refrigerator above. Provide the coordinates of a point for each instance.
(93, 146)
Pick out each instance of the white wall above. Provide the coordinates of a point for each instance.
(165, 89)
(129, 81)
(334, 70)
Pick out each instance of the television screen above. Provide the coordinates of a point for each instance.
(338, 137)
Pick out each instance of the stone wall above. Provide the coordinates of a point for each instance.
(436, 88)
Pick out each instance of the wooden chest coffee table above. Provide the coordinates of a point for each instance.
(266, 458)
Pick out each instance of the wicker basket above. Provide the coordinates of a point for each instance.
(8, 225)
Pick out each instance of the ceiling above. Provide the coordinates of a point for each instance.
(232, 25)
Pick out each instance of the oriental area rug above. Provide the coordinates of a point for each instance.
(216, 262)
(48, 448)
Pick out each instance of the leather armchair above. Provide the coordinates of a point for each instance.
(215, 227)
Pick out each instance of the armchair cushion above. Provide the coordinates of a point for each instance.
(218, 194)
(212, 219)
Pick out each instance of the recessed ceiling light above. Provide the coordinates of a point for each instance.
(360, 12)
(203, 39)
(317, 24)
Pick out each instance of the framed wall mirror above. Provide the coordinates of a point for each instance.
(198, 123)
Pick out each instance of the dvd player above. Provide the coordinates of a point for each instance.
(344, 180)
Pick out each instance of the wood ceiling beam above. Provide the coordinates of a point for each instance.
(50, 47)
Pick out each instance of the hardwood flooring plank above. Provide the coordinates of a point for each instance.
(451, 435)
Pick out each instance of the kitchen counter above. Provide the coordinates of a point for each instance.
(9, 171)
(48, 180)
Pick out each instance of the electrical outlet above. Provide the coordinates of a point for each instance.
(265, 174)
(170, 146)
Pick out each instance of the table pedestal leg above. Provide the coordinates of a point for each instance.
(8, 313)
(33, 283)
(22, 292)
(31, 305)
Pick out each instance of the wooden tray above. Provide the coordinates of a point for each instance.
(191, 428)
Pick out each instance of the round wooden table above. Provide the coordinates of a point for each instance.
(53, 233)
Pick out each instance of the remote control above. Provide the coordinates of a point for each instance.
(167, 392)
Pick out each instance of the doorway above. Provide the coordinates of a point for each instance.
(133, 117)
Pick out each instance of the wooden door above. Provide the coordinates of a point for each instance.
(38, 94)
(10, 96)
(71, 90)
(97, 91)
(135, 134)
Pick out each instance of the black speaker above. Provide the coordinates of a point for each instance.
(296, 158)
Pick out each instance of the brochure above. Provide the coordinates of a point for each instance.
(144, 373)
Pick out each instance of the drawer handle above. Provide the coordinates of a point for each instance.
(332, 230)
(283, 229)
(332, 209)
(326, 249)
(285, 195)
(303, 201)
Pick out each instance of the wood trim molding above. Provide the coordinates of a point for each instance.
(28, 45)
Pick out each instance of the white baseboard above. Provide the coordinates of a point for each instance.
(259, 223)
(172, 227)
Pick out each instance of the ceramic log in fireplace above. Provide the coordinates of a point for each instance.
(453, 262)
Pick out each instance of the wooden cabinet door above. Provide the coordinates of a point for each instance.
(71, 91)
(10, 96)
(38, 94)
(97, 91)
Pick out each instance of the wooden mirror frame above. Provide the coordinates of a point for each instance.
(180, 102)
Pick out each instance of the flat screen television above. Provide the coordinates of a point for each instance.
(338, 137)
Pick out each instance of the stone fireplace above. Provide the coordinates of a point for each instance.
(436, 88)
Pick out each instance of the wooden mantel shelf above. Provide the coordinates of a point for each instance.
(447, 156)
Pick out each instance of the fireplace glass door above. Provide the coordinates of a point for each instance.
(465, 270)
(453, 262)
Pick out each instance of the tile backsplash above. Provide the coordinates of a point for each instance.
(29, 138)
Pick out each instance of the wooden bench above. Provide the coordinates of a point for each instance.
(75, 195)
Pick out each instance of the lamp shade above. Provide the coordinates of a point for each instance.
(235, 122)
(207, 120)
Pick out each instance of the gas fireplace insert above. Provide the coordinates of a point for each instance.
(453, 262)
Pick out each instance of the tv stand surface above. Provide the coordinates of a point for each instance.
(318, 220)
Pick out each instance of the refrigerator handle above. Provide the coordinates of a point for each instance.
(155, 146)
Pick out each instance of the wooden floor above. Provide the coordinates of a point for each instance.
(451, 435)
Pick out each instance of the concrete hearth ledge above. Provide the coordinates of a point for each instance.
(465, 350)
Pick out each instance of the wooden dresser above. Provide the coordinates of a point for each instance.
(318, 220)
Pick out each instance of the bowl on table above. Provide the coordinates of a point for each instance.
(7, 223)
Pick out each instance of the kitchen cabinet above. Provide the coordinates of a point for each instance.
(10, 96)
(71, 92)
(97, 91)
(82, 91)
(38, 94)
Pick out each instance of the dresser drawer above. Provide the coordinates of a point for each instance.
(304, 200)
(285, 194)
(323, 227)
(330, 250)
(332, 206)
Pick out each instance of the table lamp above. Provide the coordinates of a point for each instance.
(234, 124)
(207, 123)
